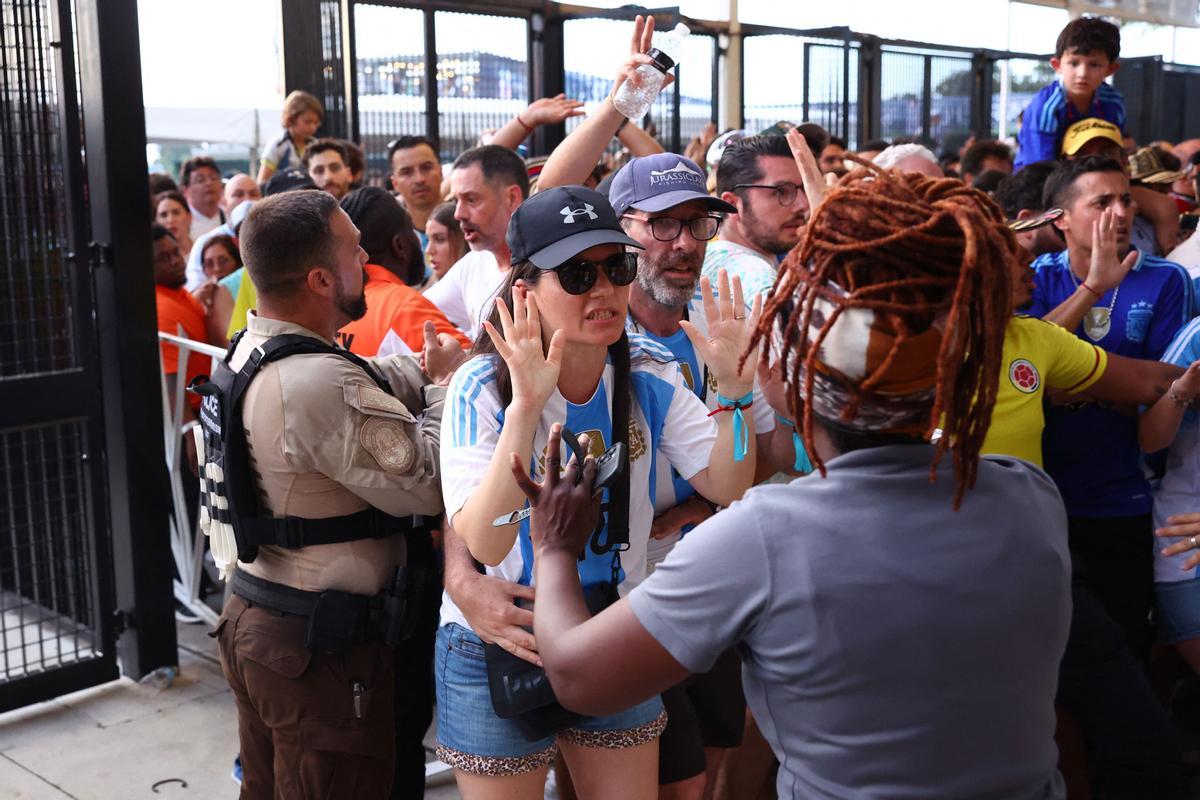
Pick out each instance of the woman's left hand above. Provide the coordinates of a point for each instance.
(565, 510)
(1185, 527)
(730, 329)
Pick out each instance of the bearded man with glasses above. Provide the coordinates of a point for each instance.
(663, 205)
(758, 176)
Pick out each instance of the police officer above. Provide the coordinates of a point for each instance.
(342, 453)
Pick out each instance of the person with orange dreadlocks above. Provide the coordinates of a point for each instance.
(885, 652)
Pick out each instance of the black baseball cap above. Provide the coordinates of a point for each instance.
(554, 225)
(289, 180)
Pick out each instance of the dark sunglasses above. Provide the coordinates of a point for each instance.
(577, 276)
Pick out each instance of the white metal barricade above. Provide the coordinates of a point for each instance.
(187, 540)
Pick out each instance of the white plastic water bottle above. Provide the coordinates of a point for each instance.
(637, 94)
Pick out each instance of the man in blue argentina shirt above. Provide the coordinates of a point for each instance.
(1131, 304)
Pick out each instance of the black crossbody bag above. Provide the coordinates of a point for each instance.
(521, 691)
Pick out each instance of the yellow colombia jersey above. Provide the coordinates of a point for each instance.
(1036, 355)
(246, 299)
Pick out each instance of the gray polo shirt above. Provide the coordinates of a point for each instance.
(892, 648)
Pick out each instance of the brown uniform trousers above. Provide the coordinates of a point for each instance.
(311, 725)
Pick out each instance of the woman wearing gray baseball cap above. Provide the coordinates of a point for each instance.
(555, 358)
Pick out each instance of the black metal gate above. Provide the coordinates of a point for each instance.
(62, 437)
(1162, 101)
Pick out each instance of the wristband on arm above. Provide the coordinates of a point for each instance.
(741, 436)
(803, 463)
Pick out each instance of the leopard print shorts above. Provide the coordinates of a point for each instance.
(501, 766)
(496, 766)
(616, 740)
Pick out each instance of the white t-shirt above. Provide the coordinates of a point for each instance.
(667, 422)
(672, 489)
(465, 293)
(756, 270)
(202, 224)
(1188, 255)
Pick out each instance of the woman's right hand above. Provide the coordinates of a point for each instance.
(534, 371)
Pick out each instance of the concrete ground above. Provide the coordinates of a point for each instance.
(125, 740)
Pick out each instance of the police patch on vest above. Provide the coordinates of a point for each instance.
(1137, 321)
(387, 443)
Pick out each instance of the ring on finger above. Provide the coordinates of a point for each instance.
(1195, 540)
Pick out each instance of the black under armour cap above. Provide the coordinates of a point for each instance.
(554, 225)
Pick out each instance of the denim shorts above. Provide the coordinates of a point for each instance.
(473, 739)
(1177, 608)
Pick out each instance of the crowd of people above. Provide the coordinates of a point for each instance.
(770, 468)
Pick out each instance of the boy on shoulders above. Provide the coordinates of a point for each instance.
(1084, 57)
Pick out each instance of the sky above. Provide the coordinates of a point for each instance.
(225, 53)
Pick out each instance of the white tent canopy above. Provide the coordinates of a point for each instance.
(249, 126)
(211, 70)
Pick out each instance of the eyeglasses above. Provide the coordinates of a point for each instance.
(577, 276)
(200, 179)
(785, 192)
(667, 229)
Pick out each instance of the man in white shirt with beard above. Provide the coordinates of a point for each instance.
(488, 183)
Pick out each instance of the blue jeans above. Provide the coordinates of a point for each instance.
(1178, 607)
(472, 738)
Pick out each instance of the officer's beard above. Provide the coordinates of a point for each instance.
(353, 307)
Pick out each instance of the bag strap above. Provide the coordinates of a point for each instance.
(617, 529)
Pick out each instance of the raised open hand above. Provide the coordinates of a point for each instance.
(534, 371)
(815, 184)
(730, 329)
(551, 110)
(1107, 269)
(639, 45)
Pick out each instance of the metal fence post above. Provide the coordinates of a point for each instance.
(305, 65)
(870, 89)
(550, 71)
(431, 85)
(115, 139)
(983, 65)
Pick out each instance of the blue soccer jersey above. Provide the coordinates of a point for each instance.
(1051, 112)
(1092, 452)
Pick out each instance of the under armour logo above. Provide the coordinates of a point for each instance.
(569, 214)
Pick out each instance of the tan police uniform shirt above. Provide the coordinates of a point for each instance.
(325, 441)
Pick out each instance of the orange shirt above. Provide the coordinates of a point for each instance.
(395, 319)
(177, 307)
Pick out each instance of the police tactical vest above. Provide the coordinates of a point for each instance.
(230, 494)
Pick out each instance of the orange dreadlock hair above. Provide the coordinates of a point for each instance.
(916, 251)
